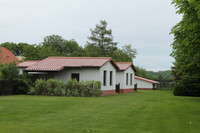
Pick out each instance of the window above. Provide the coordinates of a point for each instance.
(75, 76)
(126, 78)
(111, 76)
(104, 78)
(131, 79)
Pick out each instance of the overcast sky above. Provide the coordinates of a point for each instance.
(145, 24)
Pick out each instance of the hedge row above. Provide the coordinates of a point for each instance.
(187, 86)
(10, 87)
(56, 87)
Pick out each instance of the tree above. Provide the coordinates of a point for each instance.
(10, 46)
(186, 47)
(39, 52)
(59, 44)
(9, 71)
(120, 56)
(102, 38)
(131, 52)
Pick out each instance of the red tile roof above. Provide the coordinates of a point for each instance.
(148, 80)
(125, 65)
(59, 63)
(7, 56)
(27, 63)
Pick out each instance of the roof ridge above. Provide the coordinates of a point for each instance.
(61, 57)
(124, 62)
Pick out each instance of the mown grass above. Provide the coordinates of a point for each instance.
(142, 112)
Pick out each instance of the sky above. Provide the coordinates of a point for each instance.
(145, 24)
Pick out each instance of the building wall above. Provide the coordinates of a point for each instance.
(84, 74)
(21, 71)
(129, 71)
(108, 67)
(141, 84)
(121, 78)
(90, 74)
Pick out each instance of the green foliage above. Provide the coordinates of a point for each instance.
(186, 45)
(87, 89)
(59, 44)
(38, 52)
(6, 87)
(74, 88)
(131, 52)
(55, 87)
(9, 71)
(16, 49)
(187, 86)
(102, 38)
(40, 87)
(120, 56)
(158, 76)
(141, 72)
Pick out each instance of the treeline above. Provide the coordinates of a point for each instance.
(99, 44)
(186, 48)
(158, 76)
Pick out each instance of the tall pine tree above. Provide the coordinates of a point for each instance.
(101, 40)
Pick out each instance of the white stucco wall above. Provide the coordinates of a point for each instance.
(121, 78)
(90, 74)
(84, 74)
(21, 70)
(143, 84)
(108, 67)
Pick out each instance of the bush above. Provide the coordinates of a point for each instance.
(40, 87)
(23, 84)
(87, 89)
(55, 87)
(50, 87)
(187, 86)
(6, 87)
(72, 88)
(9, 71)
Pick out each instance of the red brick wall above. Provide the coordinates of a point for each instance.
(145, 88)
(109, 92)
(131, 90)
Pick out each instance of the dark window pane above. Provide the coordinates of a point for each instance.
(75, 76)
(104, 78)
(111, 76)
(126, 78)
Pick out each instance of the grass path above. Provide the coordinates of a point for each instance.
(142, 112)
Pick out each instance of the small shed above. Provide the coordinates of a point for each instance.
(145, 84)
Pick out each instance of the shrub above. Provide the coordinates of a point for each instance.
(55, 87)
(87, 89)
(9, 71)
(73, 88)
(6, 87)
(40, 87)
(23, 84)
(98, 91)
(187, 86)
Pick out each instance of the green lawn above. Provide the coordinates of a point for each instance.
(142, 112)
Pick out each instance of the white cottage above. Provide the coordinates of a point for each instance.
(145, 84)
(82, 68)
(125, 77)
